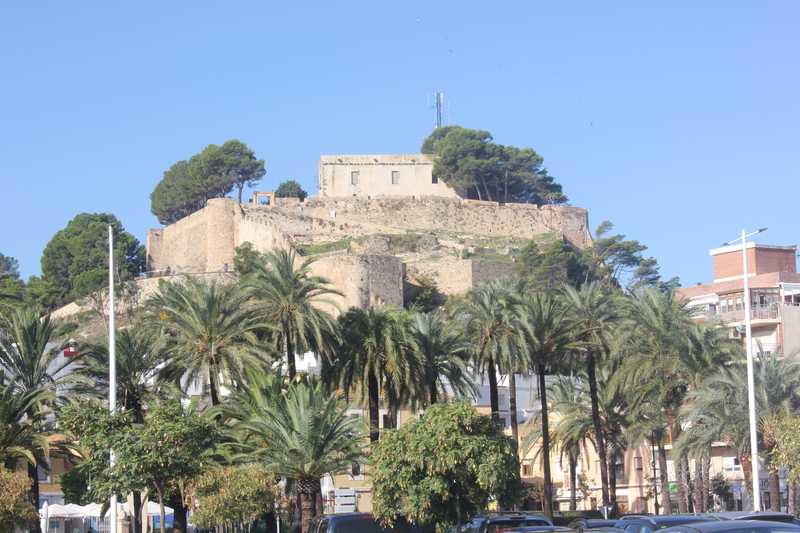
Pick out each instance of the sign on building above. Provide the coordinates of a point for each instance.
(344, 501)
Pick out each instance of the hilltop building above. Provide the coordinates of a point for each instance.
(380, 175)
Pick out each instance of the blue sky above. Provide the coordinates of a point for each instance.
(677, 121)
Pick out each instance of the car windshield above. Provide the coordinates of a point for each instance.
(514, 523)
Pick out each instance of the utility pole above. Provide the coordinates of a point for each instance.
(112, 365)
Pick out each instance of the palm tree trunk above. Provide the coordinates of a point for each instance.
(666, 503)
(612, 480)
(791, 505)
(774, 490)
(597, 425)
(373, 392)
(494, 402)
(747, 470)
(432, 393)
(512, 408)
(33, 475)
(308, 502)
(681, 466)
(698, 494)
(573, 481)
(212, 385)
(706, 461)
(291, 364)
(547, 494)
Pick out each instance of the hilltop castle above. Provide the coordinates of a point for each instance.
(380, 222)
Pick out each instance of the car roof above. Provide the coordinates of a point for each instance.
(666, 520)
(726, 525)
(754, 515)
(517, 516)
(540, 528)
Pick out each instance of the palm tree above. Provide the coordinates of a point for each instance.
(298, 431)
(653, 344)
(489, 327)
(593, 314)
(29, 355)
(20, 435)
(212, 332)
(718, 410)
(139, 356)
(293, 299)
(443, 353)
(378, 358)
(546, 332)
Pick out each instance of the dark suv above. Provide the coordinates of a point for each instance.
(359, 523)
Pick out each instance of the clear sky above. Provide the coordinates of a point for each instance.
(677, 121)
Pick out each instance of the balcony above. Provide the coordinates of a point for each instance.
(758, 312)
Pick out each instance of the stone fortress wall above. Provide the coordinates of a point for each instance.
(365, 268)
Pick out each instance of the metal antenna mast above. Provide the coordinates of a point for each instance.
(439, 108)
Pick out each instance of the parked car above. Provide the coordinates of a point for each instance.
(648, 524)
(502, 522)
(591, 523)
(734, 526)
(360, 523)
(539, 529)
(768, 516)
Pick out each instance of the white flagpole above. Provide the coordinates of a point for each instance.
(112, 363)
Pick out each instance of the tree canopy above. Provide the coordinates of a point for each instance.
(75, 261)
(290, 189)
(476, 167)
(213, 173)
(444, 468)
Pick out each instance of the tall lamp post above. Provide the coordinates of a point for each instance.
(751, 389)
(112, 364)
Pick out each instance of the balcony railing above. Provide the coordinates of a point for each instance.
(758, 312)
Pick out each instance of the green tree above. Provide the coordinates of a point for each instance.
(11, 286)
(377, 358)
(443, 352)
(30, 355)
(15, 510)
(171, 447)
(489, 327)
(140, 354)
(476, 167)
(444, 468)
(546, 331)
(212, 173)
(20, 435)
(593, 315)
(291, 298)
(75, 261)
(299, 431)
(234, 496)
(290, 189)
(213, 332)
(548, 266)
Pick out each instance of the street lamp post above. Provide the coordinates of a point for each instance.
(751, 389)
(112, 365)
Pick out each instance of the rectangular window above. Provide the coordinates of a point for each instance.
(637, 463)
(395, 177)
(354, 177)
(526, 470)
(731, 464)
(43, 474)
(434, 179)
(739, 303)
(355, 469)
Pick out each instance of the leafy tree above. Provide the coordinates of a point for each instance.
(377, 358)
(11, 286)
(289, 296)
(299, 431)
(245, 259)
(444, 468)
(290, 189)
(75, 261)
(75, 486)
(476, 167)
(212, 173)
(213, 332)
(233, 496)
(20, 435)
(171, 447)
(548, 266)
(15, 510)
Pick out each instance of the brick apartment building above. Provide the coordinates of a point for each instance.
(774, 295)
